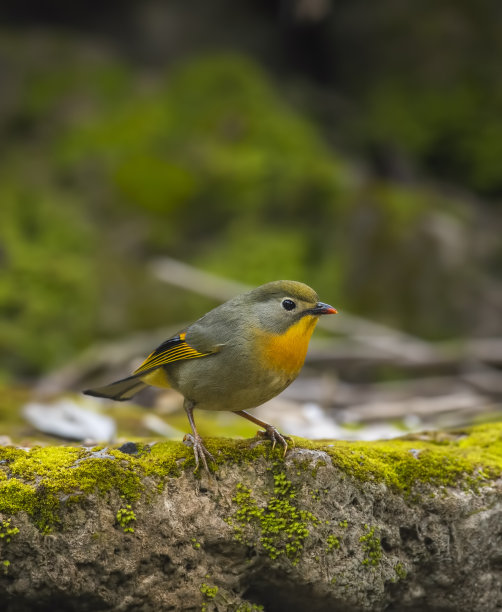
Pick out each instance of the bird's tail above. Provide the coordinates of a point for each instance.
(119, 390)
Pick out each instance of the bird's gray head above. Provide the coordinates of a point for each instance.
(280, 304)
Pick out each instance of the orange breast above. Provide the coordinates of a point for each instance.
(286, 352)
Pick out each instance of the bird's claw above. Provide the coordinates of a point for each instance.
(199, 450)
(276, 437)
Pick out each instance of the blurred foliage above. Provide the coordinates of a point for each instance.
(47, 297)
(442, 127)
(423, 80)
(108, 165)
(213, 143)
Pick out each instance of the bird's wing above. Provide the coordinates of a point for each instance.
(174, 349)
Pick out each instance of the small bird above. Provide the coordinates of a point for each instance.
(236, 357)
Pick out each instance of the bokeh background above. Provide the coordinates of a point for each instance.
(354, 146)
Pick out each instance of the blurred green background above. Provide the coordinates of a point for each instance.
(355, 146)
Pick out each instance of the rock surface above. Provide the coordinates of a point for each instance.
(334, 526)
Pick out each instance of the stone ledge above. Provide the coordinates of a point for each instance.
(408, 524)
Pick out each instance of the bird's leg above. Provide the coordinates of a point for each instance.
(270, 431)
(199, 450)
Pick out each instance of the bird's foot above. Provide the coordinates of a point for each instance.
(277, 438)
(199, 450)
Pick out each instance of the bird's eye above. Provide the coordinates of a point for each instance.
(288, 304)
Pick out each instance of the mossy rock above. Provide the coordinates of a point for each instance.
(353, 526)
(36, 480)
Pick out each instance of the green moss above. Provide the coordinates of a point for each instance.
(333, 543)
(16, 496)
(126, 516)
(400, 571)
(209, 592)
(315, 495)
(467, 458)
(279, 527)
(312, 467)
(195, 544)
(227, 450)
(371, 546)
(41, 481)
(7, 532)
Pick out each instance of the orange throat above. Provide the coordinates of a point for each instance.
(286, 352)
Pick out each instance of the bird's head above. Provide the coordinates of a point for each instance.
(280, 305)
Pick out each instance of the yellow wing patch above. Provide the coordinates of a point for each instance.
(157, 378)
(174, 349)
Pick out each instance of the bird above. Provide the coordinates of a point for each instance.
(237, 356)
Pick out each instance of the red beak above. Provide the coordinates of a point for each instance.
(322, 309)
